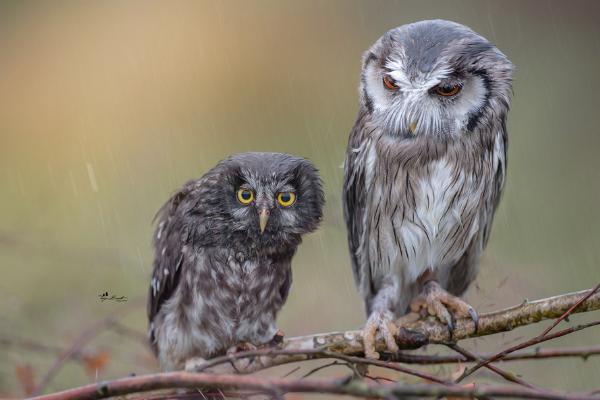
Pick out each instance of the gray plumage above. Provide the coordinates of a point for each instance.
(219, 281)
(425, 166)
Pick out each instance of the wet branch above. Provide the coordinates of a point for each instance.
(346, 348)
(415, 335)
(278, 386)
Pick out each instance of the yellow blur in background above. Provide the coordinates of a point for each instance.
(107, 107)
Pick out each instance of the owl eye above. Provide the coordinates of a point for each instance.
(390, 83)
(286, 199)
(245, 196)
(448, 89)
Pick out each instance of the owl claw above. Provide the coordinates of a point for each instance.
(437, 302)
(474, 317)
(240, 347)
(194, 364)
(382, 322)
(277, 338)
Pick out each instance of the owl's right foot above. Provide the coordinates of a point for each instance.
(382, 323)
(435, 301)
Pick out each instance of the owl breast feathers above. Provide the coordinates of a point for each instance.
(223, 250)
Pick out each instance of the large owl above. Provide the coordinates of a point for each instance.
(424, 171)
(223, 251)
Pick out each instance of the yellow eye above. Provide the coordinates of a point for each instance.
(448, 90)
(286, 199)
(390, 83)
(245, 196)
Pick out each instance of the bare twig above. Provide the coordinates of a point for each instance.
(75, 349)
(387, 364)
(322, 367)
(506, 375)
(585, 296)
(570, 310)
(528, 343)
(583, 352)
(350, 387)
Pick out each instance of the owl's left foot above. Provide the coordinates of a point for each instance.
(381, 323)
(435, 301)
(240, 347)
(194, 364)
(277, 338)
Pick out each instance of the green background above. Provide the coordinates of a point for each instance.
(107, 107)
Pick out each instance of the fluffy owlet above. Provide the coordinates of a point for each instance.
(424, 170)
(224, 246)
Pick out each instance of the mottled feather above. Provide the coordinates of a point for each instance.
(217, 280)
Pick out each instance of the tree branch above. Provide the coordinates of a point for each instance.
(415, 334)
(350, 387)
(347, 346)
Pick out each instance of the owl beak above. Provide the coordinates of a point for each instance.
(263, 218)
(413, 128)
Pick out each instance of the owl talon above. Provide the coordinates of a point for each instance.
(382, 323)
(450, 325)
(474, 317)
(240, 347)
(437, 302)
(277, 338)
(194, 364)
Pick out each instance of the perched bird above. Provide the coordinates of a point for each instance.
(424, 171)
(223, 251)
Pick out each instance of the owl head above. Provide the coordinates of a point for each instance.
(435, 78)
(264, 201)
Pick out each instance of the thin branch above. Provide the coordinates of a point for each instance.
(570, 310)
(506, 375)
(413, 336)
(540, 338)
(583, 352)
(387, 364)
(346, 346)
(82, 340)
(351, 387)
(322, 367)
(528, 343)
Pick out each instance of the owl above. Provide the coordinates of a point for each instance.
(424, 171)
(223, 251)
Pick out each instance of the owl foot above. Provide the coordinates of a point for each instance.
(435, 301)
(241, 346)
(241, 364)
(194, 364)
(382, 323)
(277, 338)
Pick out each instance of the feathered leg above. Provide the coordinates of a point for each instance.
(381, 320)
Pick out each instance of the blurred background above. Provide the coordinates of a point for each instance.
(107, 107)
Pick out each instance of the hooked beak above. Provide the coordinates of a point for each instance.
(413, 128)
(263, 218)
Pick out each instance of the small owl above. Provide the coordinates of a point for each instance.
(424, 171)
(223, 251)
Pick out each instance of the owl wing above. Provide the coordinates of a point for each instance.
(286, 284)
(463, 273)
(354, 199)
(170, 237)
